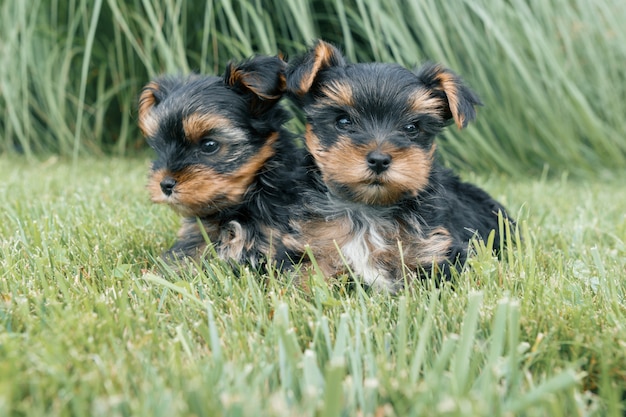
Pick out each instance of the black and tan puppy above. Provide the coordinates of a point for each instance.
(224, 158)
(380, 196)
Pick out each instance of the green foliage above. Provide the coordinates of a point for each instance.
(88, 325)
(550, 72)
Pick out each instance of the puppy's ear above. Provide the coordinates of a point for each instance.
(302, 73)
(151, 96)
(262, 78)
(460, 100)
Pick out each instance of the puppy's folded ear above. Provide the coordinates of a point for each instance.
(302, 73)
(261, 77)
(151, 96)
(459, 100)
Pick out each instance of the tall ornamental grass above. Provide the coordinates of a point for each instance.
(551, 73)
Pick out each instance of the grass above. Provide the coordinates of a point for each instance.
(88, 328)
(550, 72)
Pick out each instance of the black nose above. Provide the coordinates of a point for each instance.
(167, 185)
(378, 161)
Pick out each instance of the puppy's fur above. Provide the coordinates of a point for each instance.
(223, 158)
(379, 194)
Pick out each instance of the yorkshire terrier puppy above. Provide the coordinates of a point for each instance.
(224, 162)
(380, 197)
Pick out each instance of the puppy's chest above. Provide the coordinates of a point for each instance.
(372, 250)
(369, 246)
(377, 249)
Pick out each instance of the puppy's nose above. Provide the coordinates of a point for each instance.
(378, 161)
(167, 185)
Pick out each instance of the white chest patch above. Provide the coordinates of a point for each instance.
(358, 255)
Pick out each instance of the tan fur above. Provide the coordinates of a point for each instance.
(421, 101)
(154, 187)
(321, 236)
(148, 124)
(323, 56)
(448, 85)
(426, 250)
(198, 125)
(337, 93)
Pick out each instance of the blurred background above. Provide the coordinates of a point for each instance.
(551, 73)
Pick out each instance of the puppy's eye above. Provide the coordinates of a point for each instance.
(411, 128)
(209, 146)
(343, 123)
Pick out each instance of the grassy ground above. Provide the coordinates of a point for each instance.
(86, 329)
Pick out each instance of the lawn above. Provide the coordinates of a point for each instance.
(88, 327)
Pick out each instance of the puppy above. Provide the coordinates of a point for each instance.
(224, 162)
(380, 200)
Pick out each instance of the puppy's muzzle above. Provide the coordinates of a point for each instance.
(378, 161)
(167, 185)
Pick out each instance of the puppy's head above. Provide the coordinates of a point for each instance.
(212, 135)
(371, 127)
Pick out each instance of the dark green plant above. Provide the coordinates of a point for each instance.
(550, 72)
